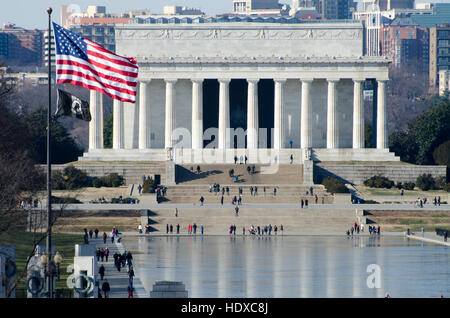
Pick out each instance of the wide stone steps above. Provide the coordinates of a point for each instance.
(285, 194)
(219, 220)
(215, 173)
(247, 199)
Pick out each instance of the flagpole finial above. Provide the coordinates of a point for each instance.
(49, 10)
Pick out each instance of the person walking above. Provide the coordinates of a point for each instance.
(102, 254)
(275, 229)
(221, 200)
(167, 228)
(96, 233)
(101, 271)
(195, 228)
(171, 228)
(201, 201)
(106, 254)
(302, 203)
(202, 229)
(274, 191)
(112, 238)
(97, 253)
(281, 229)
(130, 290)
(131, 274)
(106, 288)
(292, 159)
(104, 236)
(306, 203)
(178, 228)
(236, 210)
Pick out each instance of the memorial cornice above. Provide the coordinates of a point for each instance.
(147, 61)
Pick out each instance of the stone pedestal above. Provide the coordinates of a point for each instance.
(166, 289)
(170, 173)
(308, 172)
(7, 270)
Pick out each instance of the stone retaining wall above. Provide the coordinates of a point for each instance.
(357, 174)
(132, 173)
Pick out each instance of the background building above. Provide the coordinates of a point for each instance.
(336, 9)
(46, 47)
(177, 10)
(256, 7)
(439, 53)
(444, 82)
(4, 46)
(20, 46)
(407, 43)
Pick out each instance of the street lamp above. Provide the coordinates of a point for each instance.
(58, 260)
(51, 268)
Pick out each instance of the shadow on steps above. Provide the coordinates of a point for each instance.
(185, 175)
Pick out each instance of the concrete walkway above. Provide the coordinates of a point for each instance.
(118, 281)
(399, 207)
(428, 237)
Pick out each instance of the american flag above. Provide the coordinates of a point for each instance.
(82, 62)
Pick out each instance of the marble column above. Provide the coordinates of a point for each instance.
(358, 114)
(278, 114)
(144, 115)
(96, 123)
(224, 114)
(252, 114)
(332, 121)
(170, 112)
(197, 113)
(306, 127)
(382, 141)
(118, 125)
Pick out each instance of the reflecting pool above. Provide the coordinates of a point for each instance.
(293, 266)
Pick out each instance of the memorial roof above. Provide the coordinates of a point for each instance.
(228, 18)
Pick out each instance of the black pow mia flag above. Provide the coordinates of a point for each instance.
(70, 105)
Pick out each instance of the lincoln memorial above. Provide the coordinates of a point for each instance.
(211, 89)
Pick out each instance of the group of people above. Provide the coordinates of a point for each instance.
(242, 159)
(192, 229)
(421, 202)
(258, 230)
(357, 228)
(197, 169)
(216, 188)
(102, 254)
(29, 203)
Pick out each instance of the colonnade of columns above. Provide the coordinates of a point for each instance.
(96, 124)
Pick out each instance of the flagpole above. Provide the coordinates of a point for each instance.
(49, 275)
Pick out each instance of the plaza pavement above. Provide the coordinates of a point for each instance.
(118, 281)
(384, 207)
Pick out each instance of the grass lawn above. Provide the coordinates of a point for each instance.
(24, 241)
(396, 192)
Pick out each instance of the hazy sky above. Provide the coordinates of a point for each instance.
(31, 14)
